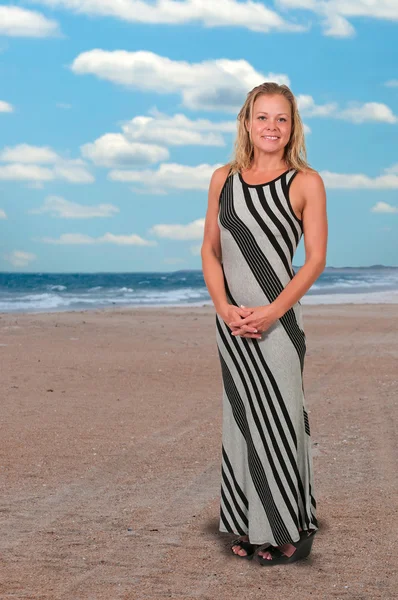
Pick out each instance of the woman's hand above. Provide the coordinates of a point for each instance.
(259, 319)
(230, 312)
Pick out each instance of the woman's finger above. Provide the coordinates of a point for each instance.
(250, 335)
(239, 323)
(248, 329)
(245, 333)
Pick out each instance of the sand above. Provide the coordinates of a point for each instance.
(110, 458)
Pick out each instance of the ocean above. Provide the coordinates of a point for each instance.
(56, 292)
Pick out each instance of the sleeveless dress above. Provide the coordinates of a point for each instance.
(267, 487)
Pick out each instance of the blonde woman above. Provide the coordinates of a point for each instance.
(260, 204)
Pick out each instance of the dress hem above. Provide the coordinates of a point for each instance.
(239, 533)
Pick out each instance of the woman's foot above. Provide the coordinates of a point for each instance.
(284, 553)
(287, 549)
(240, 550)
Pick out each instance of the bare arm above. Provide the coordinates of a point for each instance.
(315, 228)
(211, 247)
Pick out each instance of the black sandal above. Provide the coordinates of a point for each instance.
(245, 545)
(303, 549)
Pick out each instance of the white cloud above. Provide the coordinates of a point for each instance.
(2, 214)
(334, 14)
(377, 9)
(139, 144)
(125, 240)
(370, 111)
(393, 169)
(24, 153)
(6, 107)
(359, 181)
(26, 160)
(77, 239)
(21, 172)
(307, 107)
(220, 84)
(114, 150)
(256, 16)
(355, 112)
(169, 176)
(221, 13)
(63, 105)
(19, 258)
(191, 231)
(391, 83)
(335, 25)
(19, 22)
(177, 130)
(73, 171)
(57, 206)
(303, 4)
(383, 207)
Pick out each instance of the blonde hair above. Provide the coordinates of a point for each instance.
(295, 154)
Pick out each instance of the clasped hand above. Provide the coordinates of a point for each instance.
(249, 321)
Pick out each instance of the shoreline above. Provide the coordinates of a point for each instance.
(184, 307)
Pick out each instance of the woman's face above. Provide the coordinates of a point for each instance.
(271, 123)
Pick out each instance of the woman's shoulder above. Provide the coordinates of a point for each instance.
(220, 175)
(308, 184)
(309, 177)
(222, 171)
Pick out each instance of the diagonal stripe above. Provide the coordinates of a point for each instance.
(231, 472)
(286, 214)
(306, 422)
(286, 183)
(270, 236)
(225, 521)
(228, 486)
(231, 513)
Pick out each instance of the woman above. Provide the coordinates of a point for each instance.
(259, 206)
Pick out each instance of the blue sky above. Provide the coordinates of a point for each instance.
(113, 117)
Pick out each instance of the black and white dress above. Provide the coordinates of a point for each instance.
(267, 487)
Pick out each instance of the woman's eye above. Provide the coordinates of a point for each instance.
(281, 118)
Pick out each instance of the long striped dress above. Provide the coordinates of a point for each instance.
(267, 487)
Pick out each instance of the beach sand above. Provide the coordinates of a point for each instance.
(110, 458)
